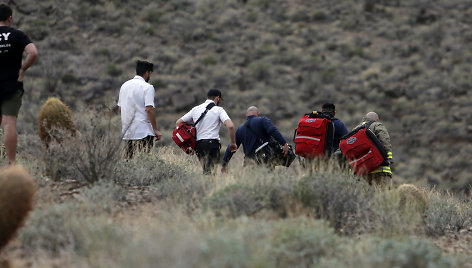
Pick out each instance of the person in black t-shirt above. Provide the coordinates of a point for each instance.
(12, 45)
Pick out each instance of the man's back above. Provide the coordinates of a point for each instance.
(209, 126)
(254, 132)
(135, 95)
(12, 45)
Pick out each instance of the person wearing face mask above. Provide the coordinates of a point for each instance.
(136, 105)
(208, 128)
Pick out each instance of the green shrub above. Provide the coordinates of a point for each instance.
(68, 226)
(49, 228)
(102, 197)
(173, 183)
(407, 253)
(252, 197)
(91, 156)
(210, 60)
(113, 70)
(392, 216)
(238, 200)
(339, 198)
(153, 16)
(446, 214)
(302, 242)
(148, 169)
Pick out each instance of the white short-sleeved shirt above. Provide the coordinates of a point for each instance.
(135, 95)
(209, 126)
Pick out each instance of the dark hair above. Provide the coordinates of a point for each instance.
(5, 12)
(213, 93)
(328, 107)
(143, 66)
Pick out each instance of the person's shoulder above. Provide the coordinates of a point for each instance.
(126, 83)
(219, 109)
(378, 124)
(338, 122)
(264, 119)
(18, 32)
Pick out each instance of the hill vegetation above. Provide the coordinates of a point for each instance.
(408, 60)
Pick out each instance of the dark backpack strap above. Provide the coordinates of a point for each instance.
(368, 124)
(209, 106)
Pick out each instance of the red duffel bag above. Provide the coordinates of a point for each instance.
(185, 137)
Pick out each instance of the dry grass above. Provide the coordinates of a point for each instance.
(159, 208)
(411, 67)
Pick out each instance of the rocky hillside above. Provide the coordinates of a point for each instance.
(408, 60)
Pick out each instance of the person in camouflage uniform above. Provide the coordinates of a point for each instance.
(382, 176)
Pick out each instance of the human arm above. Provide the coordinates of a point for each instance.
(232, 134)
(229, 154)
(31, 55)
(178, 122)
(187, 118)
(152, 119)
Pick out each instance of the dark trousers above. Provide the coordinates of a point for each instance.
(208, 152)
(142, 145)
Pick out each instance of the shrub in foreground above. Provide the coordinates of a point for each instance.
(91, 156)
(446, 213)
(302, 242)
(242, 199)
(408, 253)
(338, 198)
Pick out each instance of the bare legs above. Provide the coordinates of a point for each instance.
(10, 136)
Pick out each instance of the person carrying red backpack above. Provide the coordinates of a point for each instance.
(382, 175)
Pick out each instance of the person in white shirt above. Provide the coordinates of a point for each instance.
(208, 130)
(136, 105)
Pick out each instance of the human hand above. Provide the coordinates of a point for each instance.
(285, 149)
(21, 75)
(224, 169)
(157, 134)
(233, 147)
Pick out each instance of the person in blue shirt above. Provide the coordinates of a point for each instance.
(251, 135)
(339, 127)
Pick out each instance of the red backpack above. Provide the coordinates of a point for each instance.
(363, 150)
(185, 135)
(314, 135)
